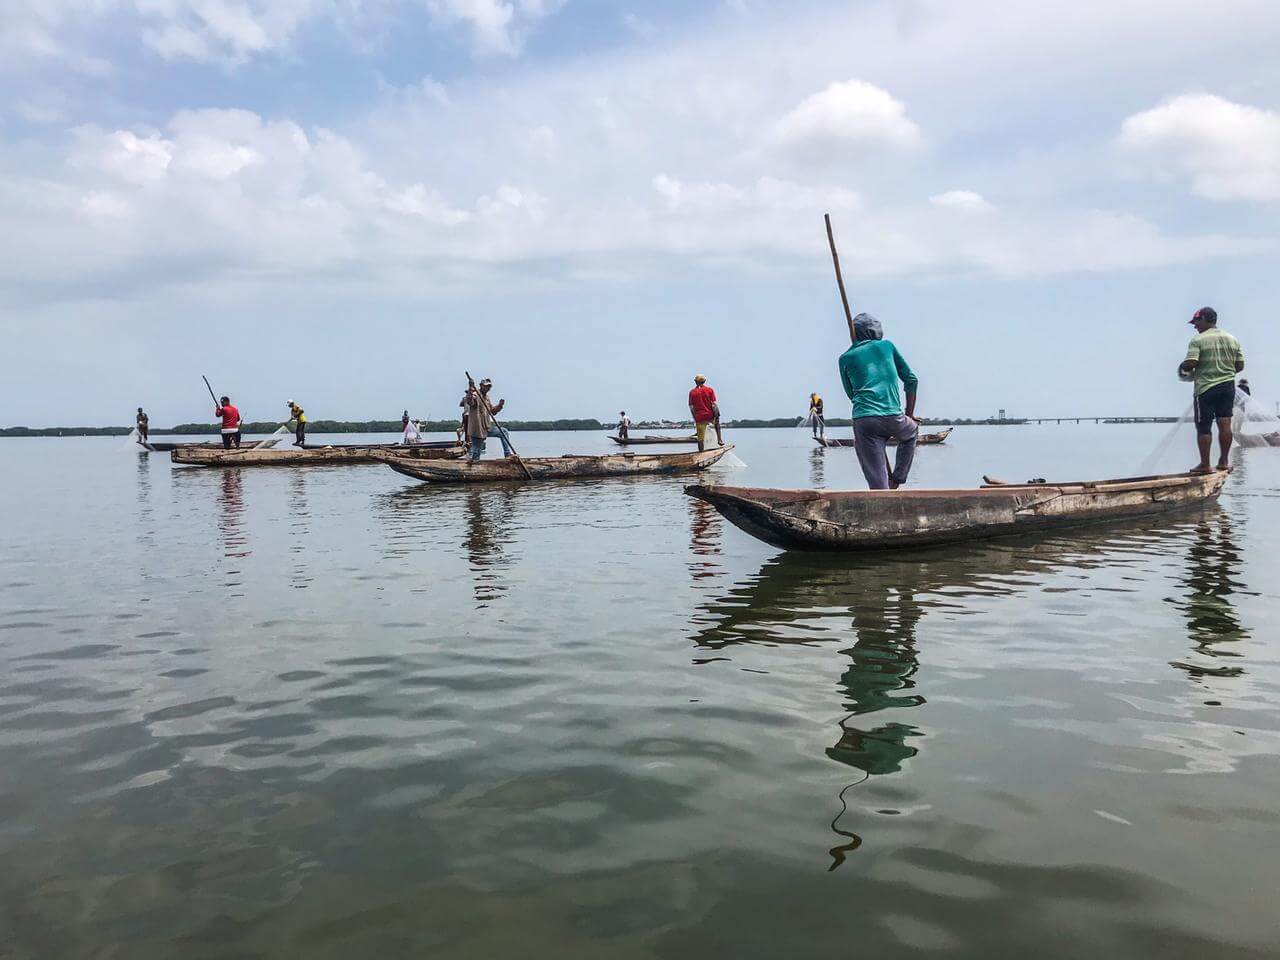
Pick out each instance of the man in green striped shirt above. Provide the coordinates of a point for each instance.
(1214, 357)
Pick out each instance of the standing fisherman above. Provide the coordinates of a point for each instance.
(230, 423)
(705, 410)
(297, 415)
(815, 416)
(411, 433)
(1214, 357)
(464, 434)
(624, 425)
(480, 419)
(144, 426)
(870, 371)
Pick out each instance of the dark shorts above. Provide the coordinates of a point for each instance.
(1216, 403)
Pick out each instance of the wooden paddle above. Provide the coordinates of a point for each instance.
(501, 429)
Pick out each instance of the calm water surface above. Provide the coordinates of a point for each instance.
(329, 713)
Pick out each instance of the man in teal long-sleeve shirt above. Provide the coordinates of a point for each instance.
(870, 371)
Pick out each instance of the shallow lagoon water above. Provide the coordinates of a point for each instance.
(328, 712)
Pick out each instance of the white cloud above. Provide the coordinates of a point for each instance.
(48, 108)
(125, 154)
(766, 194)
(420, 201)
(679, 196)
(100, 203)
(226, 31)
(497, 27)
(845, 116)
(642, 27)
(1230, 151)
(965, 200)
(557, 159)
(509, 201)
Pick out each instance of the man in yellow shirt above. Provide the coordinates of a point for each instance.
(1214, 357)
(297, 414)
(815, 417)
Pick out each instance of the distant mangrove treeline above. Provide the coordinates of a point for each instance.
(441, 426)
(313, 426)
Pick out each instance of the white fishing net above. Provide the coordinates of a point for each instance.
(1254, 423)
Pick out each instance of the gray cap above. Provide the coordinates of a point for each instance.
(867, 327)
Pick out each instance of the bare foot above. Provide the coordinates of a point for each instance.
(1200, 470)
(1223, 466)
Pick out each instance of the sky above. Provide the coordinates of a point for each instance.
(351, 203)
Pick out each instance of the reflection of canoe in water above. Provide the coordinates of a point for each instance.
(554, 468)
(925, 439)
(307, 456)
(633, 441)
(876, 519)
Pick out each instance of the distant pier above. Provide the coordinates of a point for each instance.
(1101, 420)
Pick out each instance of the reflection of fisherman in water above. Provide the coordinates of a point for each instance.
(817, 468)
(798, 598)
(145, 514)
(704, 538)
(299, 528)
(486, 540)
(235, 542)
(1213, 565)
(883, 661)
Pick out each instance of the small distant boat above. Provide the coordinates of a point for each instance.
(552, 468)
(634, 441)
(923, 440)
(216, 456)
(854, 520)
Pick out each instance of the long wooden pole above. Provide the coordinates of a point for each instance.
(835, 259)
(471, 383)
(210, 389)
(844, 299)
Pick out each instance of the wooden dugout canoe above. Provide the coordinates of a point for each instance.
(168, 447)
(877, 519)
(634, 441)
(925, 439)
(553, 468)
(307, 456)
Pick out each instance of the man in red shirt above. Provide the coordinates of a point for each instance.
(230, 423)
(705, 410)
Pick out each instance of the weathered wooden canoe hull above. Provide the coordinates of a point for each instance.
(640, 441)
(167, 447)
(554, 468)
(878, 519)
(308, 456)
(924, 440)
